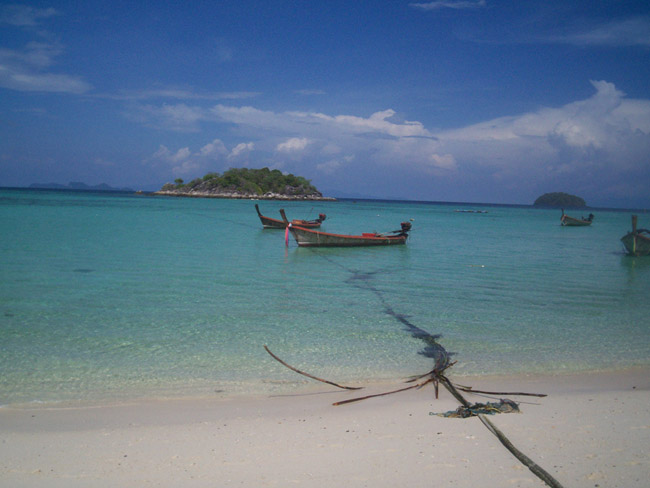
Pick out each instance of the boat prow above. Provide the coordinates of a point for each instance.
(268, 222)
(271, 223)
(309, 224)
(637, 242)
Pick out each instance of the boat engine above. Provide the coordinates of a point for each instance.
(322, 217)
(406, 226)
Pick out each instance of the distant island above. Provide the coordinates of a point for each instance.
(560, 200)
(245, 183)
(76, 185)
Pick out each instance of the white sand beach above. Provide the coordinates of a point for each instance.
(593, 430)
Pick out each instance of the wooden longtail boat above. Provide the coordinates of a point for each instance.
(637, 242)
(313, 238)
(271, 223)
(309, 224)
(573, 222)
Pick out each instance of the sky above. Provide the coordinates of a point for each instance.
(482, 101)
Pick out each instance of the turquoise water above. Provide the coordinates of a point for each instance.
(109, 296)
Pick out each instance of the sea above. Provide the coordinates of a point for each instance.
(114, 296)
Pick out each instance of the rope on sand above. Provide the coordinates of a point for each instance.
(536, 469)
(441, 358)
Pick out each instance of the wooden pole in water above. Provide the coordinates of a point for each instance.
(634, 234)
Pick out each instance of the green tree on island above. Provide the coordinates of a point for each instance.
(247, 181)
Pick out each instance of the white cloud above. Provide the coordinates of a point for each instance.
(603, 138)
(241, 150)
(596, 143)
(28, 69)
(181, 114)
(246, 115)
(329, 167)
(377, 124)
(25, 70)
(21, 81)
(164, 154)
(39, 54)
(379, 139)
(177, 117)
(180, 163)
(187, 168)
(184, 162)
(294, 144)
(319, 123)
(211, 157)
(445, 161)
(618, 32)
(596, 122)
(214, 150)
(24, 15)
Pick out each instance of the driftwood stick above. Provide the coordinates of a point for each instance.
(434, 372)
(413, 379)
(525, 460)
(358, 399)
(309, 375)
(469, 389)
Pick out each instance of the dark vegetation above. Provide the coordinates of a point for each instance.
(246, 181)
(560, 200)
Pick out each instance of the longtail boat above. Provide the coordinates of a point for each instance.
(637, 242)
(271, 223)
(313, 238)
(573, 222)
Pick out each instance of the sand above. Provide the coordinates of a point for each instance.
(593, 430)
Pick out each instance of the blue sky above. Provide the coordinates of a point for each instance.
(454, 100)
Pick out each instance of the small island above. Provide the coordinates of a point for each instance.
(560, 200)
(245, 183)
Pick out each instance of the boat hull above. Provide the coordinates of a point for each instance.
(271, 223)
(572, 222)
(636, 244)
(311, 238)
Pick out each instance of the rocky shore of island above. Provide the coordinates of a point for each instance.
(241, 195)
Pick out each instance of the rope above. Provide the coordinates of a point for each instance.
(536, 469)
(439, 354)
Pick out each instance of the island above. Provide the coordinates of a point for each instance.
(560, 200)
(245, 183)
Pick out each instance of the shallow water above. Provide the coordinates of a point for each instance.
(113, 296)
